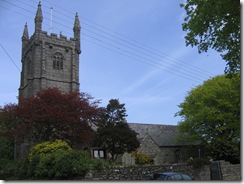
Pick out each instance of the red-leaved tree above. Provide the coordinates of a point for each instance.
(52, 115)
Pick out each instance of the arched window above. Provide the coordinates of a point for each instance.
(58, 61)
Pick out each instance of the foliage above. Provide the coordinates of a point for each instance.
(98, 164)
(9, 169)
(40, 150)
(211, 113)
(6, 148)
(52, 115)
(5, 163)
(141, 159)
(115, 112)
(117, 139)
(6, 143)
(63, 164)
(198, 162)
(50, 160)
(113, 133)
(56, 160)
(215, 24)
(7, 120)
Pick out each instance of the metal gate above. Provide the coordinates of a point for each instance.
(215, 171)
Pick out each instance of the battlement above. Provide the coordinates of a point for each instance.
(56, 36)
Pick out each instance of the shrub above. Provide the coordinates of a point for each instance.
(36, 156)
(141, 159)
(45, 148)
(98, 164)
(64, 164)
(56, 160)
(9, 169)
(6, 148)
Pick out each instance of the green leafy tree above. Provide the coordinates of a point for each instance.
(211, 113)
(114, 133)
(216, 25)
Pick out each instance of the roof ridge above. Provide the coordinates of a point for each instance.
(150, 124)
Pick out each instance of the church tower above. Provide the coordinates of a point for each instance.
(49, 60)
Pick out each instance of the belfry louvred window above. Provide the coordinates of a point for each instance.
(58, 61)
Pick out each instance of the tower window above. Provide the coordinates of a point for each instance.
(58, 61)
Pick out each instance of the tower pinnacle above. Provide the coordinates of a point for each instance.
(76, 24)
(25, 35)
(38, 18)
(76, 30)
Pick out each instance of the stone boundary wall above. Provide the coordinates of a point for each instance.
(146, 172)
(229, 172)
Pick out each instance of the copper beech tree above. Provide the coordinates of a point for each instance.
(51, 115)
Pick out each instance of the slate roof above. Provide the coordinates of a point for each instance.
(163, 135)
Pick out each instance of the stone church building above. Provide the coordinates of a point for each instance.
(53, 61)
(160, 144)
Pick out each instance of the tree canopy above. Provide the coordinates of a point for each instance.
(51, 115)
(114, 133)
(211, 113)
(115, 112)
(216, 25)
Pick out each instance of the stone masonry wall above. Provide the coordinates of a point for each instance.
(229, 171)
(145, 172)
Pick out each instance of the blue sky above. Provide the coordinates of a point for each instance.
(133, 50)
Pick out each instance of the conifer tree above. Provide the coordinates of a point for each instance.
(114, 133)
